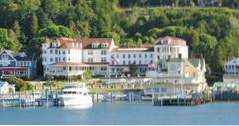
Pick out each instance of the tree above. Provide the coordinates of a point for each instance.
(55, 31)
(8, 40)
(219, 58)
(206, 46)
(17, 29)
(33, 24)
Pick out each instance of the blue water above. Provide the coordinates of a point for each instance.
(125, 113)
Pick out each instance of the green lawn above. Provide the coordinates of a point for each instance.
(94, 86)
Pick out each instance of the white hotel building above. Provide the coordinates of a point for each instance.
(71, 57)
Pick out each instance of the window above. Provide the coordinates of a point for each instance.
(129, 56)
(64, 52)
(64, 59)
(124, 62)
(134, 55)
(50, 51)
(158, 49)
(69, 51)
(90, 52)
(69, 59)
(145, 55)
(90, 60)
(103, 52)
(103, 68)
(104, 45)
(45, 52)
(129, 62)
(103, 59)
(95, 45)
(164, 90)
(123, 55)
(51, 59)
(56, 59)
(151, 55)
(140, 62)
(5, 57)
(140, 55)
(56, 51)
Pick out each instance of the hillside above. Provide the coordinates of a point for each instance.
(211, 32)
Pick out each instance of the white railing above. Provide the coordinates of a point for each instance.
(66, 73)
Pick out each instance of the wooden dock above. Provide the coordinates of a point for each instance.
(178, 100)
(29, 99)
(48, 98)
(227, 95)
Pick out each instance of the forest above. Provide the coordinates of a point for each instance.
(180, 3)
(210, 30)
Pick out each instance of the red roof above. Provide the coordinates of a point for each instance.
(85, 43)
(76, 64)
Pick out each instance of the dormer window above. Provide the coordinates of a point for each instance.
(57, 44)
(104, 45)
(54, 44)
(95, 45)
(169, 41)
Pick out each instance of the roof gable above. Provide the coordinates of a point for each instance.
(9, 53)
(86, 43)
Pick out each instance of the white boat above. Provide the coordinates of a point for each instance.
(76, 96)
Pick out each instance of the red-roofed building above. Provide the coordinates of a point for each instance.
(73, 56)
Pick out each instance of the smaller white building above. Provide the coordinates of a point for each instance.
(170, 47)
(231, 69)
(6, 88)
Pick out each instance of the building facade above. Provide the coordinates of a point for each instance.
(170, 47)
(231, 71)
(180, 71)
(71, 57)
(16, 64)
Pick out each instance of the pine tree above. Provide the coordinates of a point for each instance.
(17, 29)
(33, 24)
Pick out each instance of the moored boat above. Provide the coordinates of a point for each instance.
(76, 96)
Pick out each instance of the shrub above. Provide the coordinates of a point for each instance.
(20, 84)
(87, 75)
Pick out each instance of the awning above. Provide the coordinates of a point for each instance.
(13, 68)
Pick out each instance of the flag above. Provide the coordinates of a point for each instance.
(151, 66)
